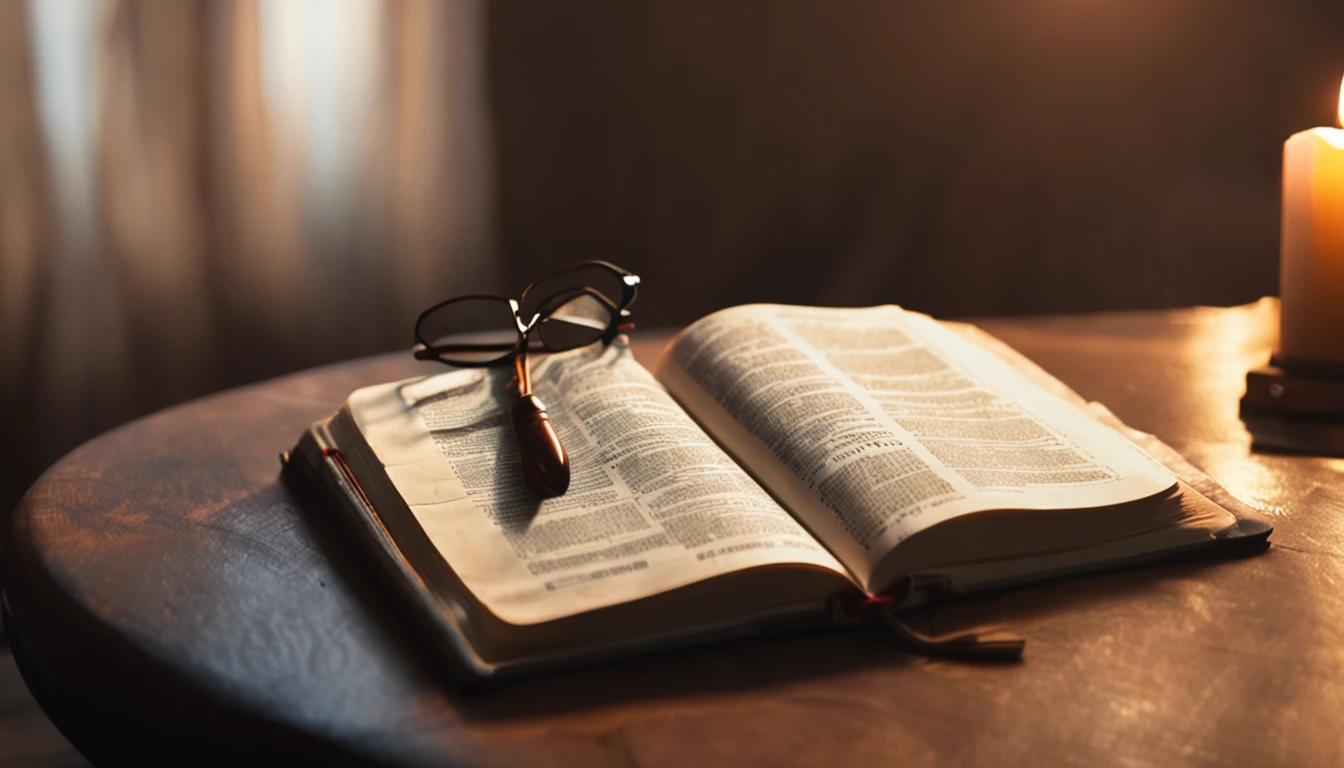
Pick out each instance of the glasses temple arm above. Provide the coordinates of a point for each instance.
(522, 373)
(424, 352)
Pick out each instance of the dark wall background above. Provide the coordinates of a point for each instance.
(967, 157)
(959, 157)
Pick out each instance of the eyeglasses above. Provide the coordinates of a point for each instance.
(574, 307)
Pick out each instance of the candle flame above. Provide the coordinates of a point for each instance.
(1341, 105)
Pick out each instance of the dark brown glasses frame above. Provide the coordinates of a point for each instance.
(620, 321)
(545, 463)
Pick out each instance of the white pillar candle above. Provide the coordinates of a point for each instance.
(1311, 259)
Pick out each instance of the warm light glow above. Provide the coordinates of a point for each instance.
(1341, 105)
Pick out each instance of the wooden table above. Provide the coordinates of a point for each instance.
(168, 598)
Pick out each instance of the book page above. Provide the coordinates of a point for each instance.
(874, 424)
(653, 503)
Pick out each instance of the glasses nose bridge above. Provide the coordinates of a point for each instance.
(523, 327)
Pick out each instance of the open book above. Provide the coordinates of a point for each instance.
(778, 459)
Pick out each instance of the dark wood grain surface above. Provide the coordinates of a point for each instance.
(168, 598)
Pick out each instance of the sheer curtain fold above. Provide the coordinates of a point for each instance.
(438, 170)
(24, 214)
(151, 180)
(196, 194)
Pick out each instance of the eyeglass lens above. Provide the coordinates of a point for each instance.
(470, 331)
(569, 282)
(575, 322)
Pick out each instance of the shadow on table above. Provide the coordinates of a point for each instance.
(740, 665)
(734, 665)
(273, 625)
(1297, 437)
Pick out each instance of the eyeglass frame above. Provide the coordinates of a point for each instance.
(620, 315)
(544, 460)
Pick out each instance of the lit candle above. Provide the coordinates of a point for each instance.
(1311, 259)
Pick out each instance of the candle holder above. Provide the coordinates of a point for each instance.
(1296, 403)
(1298, 407)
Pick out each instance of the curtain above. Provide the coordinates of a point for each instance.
(199, 194)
